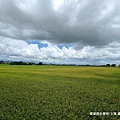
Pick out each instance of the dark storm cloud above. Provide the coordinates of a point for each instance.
(89, 22)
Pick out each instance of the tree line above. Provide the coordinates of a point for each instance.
(40, 63)
(20, 63)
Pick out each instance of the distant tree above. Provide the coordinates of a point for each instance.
(30, 63)
(20, 63)
(113, 65)
(1, 62)
(17, 63)
(40, 63)
(25, 63)
(12, 63)
(108, 65)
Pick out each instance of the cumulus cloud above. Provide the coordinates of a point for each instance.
(11, 49)
(86, 22)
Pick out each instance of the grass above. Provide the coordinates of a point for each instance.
(58, 92)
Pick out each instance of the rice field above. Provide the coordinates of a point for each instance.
(59, 92)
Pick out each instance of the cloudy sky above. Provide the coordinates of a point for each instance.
(60, 31)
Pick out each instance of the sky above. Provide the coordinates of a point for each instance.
(60, 31)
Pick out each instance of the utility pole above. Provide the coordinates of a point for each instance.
(54, 60)
(94, 61)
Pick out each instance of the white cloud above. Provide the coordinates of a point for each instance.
(20, 50)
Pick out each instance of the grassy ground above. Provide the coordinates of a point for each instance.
(58, 92)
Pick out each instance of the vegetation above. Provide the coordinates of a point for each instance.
(40, 63)
(58, 92)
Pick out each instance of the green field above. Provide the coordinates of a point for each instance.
(58, 92)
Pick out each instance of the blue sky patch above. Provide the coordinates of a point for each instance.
(62, 45)
(40, 45)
